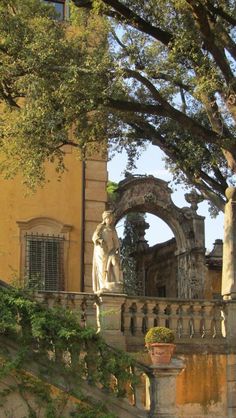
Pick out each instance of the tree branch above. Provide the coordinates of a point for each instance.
(166, 111)
(133, 19)
(144, 129)
(200, 16)
(165, 77)
(7, 97)
(219, 11)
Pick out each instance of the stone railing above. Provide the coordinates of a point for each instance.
(193, 321)
(124, 320)
(83, 304)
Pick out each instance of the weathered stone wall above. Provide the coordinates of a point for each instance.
(201, 387)
(213, 284)
(19, 401)
(160, 267)
(214, 271)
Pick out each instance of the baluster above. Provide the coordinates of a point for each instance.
(71, 301)
(82, 313)
(147, 393)
(191, 322)
(151, 314)
(174, 318)
(139, 319)
(197, 320)
(140, 390)
(91, 360)
(162, 317)
(207, 321)
(74, 357)
(60, 301)
(90, 313)
(185, 321)
(50, 302)
(126, 319)
(218, 318)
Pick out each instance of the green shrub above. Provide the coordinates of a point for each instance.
(159, 335)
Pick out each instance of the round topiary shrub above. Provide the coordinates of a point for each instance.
(159, 335)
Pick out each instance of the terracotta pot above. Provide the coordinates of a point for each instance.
(161, 353)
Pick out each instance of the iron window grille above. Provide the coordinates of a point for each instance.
(44, 262)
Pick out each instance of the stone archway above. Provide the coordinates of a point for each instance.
(152, 195)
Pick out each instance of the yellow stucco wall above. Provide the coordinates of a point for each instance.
(58, 200)
(202, 386)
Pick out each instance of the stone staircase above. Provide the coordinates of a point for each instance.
(38, 366)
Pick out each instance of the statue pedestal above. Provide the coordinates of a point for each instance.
(112, 287)
(163, 389)
(109, 308)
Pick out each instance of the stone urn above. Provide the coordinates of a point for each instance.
(159, 342)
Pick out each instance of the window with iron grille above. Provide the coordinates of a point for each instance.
(44, 269)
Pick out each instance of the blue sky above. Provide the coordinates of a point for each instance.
(151, 162)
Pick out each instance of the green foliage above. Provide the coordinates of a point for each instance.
(112, 188)
(159, 335)
(161, 73)
(85, 411)
(174, 85)
(46, 71)
(50, 334)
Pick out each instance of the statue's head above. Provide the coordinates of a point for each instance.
(107, 217)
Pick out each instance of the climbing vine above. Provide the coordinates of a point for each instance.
(40, 344)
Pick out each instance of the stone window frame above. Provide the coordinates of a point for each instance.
(45, 226)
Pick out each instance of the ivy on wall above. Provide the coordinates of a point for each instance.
(63, 352)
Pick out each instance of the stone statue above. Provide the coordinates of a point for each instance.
(107, 273)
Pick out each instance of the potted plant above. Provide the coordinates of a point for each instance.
(159, 342)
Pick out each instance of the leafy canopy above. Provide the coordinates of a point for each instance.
(44, 85)
(174, 84)
(133, 71)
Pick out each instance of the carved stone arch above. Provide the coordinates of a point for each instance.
(152, 195)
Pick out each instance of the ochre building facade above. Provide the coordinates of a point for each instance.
(45, 239)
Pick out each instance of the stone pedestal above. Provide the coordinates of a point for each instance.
(163, 389)
(109, 308)
(112, 287)
(229, 249)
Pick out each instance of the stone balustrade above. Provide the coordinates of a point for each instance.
(83, 304)
(195, 322)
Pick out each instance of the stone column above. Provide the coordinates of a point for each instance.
(109, 311)
(163, 389)
(229, 249)
(231, 385)
(229, 293)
